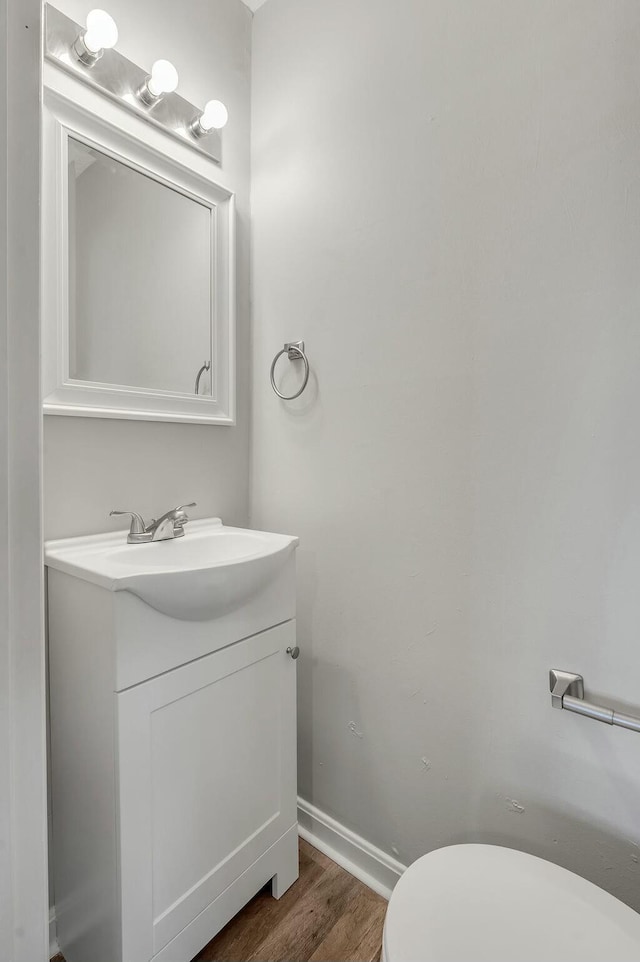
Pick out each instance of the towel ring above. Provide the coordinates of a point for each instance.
(205, 367)
(295, 352)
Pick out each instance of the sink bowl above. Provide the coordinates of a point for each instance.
(221, 547)
(210, 572)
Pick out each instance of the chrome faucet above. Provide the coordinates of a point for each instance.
(169, 526)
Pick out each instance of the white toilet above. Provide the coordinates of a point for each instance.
(485, 903)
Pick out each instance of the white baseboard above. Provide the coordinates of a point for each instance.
(53, 936)
(365, 861)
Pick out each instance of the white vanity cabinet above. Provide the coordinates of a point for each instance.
(174, 791)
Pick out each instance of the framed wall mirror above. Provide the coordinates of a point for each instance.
(138, 266)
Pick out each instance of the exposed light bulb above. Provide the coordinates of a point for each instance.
(213, 117)
(101, 34)
(163, 79)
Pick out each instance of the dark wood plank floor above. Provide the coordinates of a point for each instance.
(326, 916)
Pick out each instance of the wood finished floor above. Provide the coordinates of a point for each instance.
(326, 916)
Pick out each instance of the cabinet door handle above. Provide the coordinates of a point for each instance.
(294, 652)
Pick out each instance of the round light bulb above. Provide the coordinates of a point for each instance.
(163, 79)
(214, 116)
(101, 33)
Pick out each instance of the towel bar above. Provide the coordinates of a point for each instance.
(567, 691)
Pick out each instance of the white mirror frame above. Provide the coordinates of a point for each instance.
(72, 109)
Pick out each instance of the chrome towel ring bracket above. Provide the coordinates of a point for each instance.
(295, 352)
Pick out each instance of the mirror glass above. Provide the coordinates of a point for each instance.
(140, 278)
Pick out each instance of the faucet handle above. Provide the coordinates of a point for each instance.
(137, 522)
(180, 516)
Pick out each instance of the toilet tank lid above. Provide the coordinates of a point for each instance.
(487, 903)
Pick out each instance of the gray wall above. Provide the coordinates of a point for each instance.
(23, 853)
(90, 464)
(446, 208)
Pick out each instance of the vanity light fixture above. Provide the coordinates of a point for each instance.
(101, 34)
(162, 80)
(76, 47)
(213, 117)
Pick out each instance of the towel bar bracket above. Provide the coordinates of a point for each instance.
(567, 691)
(563, 683)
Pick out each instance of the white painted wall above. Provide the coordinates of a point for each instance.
(446, 207)
(23, 854)
(92, 465)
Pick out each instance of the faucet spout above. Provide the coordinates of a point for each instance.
(170, 525)
(164, 530)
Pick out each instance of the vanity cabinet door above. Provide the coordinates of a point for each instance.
(207, 783)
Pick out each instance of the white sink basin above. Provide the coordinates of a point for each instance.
(213, 570)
